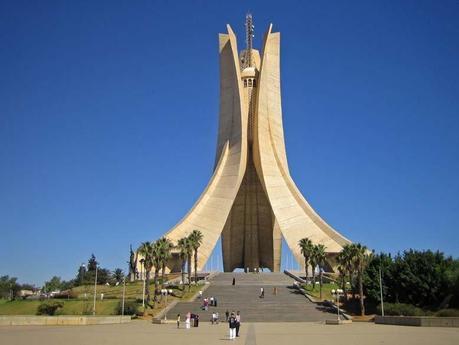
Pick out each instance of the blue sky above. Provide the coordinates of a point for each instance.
(109, 109)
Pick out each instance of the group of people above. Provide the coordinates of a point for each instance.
(262, 292)
(215, 318)
(212, 301)
(233, 319)
(189, 317)
(234, 322)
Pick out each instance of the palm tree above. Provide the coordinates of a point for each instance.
(184, 247)
(118, 275)
(313, 262)
(306, 249)
(157, 263)
(345, 262)
(360, 262)
(319, 253)
(341, 271)
(165, 253)
(196, 241)
(189, 252)
(146, 250)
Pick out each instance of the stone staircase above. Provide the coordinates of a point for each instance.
(289, 305)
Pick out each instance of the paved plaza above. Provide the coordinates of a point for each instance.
(143, 332)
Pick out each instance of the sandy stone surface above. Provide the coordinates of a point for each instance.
(142, 332)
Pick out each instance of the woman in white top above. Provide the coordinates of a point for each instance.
(188, 321)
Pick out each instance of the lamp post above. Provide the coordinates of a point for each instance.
(337, 293)
(95, 294)
(124, 293)
(380, 291)
(165, 292)
(142, 266)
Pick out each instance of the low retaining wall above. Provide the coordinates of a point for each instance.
(291, 275)
(420, 321)
(30, 320)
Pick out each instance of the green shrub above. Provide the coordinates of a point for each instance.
(130, 308)
(448, 313)
(401, 309)
(49, 308)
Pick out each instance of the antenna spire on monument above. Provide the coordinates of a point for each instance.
(249, 27)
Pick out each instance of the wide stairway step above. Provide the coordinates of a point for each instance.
(287, 305)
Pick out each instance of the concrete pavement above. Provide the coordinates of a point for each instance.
(142, 332)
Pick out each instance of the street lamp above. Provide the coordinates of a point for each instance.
(124, 293)
(337, 293)
(143, 274)
(166, 292)
(142, 266)
(381, 291)
(95, 293)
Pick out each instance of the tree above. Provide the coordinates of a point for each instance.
(92, 263)
(146, 250)
(80, 278)
(118, 275)
(345, 264)
(156, 257)
(371, 287)
(165, 253)
(8, 287)
(360, 261)
(306, 248)
(54, 284)
(313, 261)
(319, 254)
(189, 252)
(196, 241)
(104, 276)
(184, 247)
(420, 277)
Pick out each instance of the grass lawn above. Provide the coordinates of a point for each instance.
(84, 306)
(71, 307)
(133, 290)
(326, 290)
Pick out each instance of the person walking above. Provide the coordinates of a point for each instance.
(232, 326)
(234, 281)
(226, 315)
(262, 292)
(188, 320)
(178, 320)
(238, 322)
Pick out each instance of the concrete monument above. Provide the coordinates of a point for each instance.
(251, 201)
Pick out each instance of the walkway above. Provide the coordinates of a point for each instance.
(142, 332)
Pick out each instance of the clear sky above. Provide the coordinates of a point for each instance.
(109, 110)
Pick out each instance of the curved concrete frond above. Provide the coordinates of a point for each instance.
(294, 215)
(210, 212)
